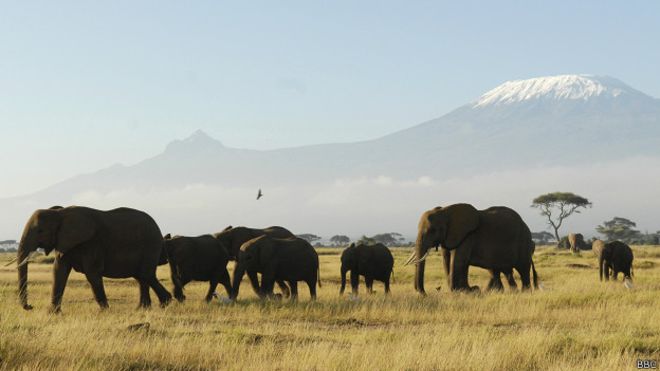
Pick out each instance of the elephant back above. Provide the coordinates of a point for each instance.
(384, 256)
(621, 252)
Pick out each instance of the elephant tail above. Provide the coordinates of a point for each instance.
(632, 270)
(163, 256)
(535, 277)
(318, 276)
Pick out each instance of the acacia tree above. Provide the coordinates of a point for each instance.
(619, 229)
(542, 237)
(311, 238)
(558, 206)
(389, 239)
(339, 240)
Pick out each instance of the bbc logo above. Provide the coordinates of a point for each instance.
(647, 364)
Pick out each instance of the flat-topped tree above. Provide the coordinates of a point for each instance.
(339, 240)
(619, 229)
(557, 206)
(309, 237)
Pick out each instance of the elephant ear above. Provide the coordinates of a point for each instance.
(75, 229)
(265, 250)
(461, 220)
(228, 228)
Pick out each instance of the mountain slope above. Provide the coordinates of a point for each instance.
(557, 120)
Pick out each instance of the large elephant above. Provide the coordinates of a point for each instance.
(119, 243)
(277, 259)
(496, 239)
(373, 262)
(576, 242)
(200, 258)
(613, 258)
(232, 238)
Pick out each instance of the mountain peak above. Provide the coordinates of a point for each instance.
(196, 142)
(198, 135)
(555, 88)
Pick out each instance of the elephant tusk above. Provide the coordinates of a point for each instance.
(628, 283)
(410, 259)
(26, 260)
(420, 259)
(10, 262)
(23, 262)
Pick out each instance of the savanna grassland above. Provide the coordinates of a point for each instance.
(575, 323)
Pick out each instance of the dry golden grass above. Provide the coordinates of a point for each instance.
(576, 323)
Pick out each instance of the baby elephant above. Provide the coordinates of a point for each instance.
(200, 258)
(287, 259)
(615, 256)
(374, 262)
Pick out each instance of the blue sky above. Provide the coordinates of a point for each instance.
(84, 85)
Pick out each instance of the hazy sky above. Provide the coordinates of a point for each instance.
(84, 85)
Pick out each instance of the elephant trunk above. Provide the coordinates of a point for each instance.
(420, 252)
(343, 280)
(27, 245)
(239, 272)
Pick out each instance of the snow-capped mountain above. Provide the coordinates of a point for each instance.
(557, 120)
(524, 125)
(558, 88)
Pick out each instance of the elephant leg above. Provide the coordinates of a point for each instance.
(446, 263)
(225, 281)
(525, 277)
(213, 283)
(294, 290)
(96, 281)
(254, 282)
(284, 288)
(147, 273)
(268, 282)
(459, 270)
(145, 298)
(369, 282)
(511, 280)
(387, 286)
(163, 295)
(178, 287)
(495, 283)
(61, 270)
(312, 287)
(607, 272)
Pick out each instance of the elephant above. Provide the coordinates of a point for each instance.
(232, 238)
(277, 259)
(119, 243)
(614, 256)
(576, 242)
(374, 262)
(200, 258)
(496, 239)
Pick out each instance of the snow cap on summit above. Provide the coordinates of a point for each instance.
(571, 87)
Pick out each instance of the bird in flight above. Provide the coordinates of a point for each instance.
(259, 194)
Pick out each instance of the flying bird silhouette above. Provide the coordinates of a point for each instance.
(259, 194)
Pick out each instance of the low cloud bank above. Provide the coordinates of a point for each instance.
(356, 206)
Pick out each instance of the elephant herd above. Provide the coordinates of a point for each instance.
(127, 243)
